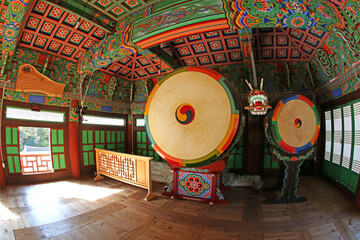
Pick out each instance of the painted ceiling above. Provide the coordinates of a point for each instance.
(226, 47)
(154, 37)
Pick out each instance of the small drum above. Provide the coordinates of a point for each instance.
(193, 117)
(294, 125)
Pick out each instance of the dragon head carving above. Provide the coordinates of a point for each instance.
(257, 100)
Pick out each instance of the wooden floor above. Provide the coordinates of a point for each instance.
(108, 209)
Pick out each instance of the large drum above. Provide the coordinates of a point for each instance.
(193, 117)
(294, 125)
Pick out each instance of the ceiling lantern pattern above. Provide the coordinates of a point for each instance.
(50, 28)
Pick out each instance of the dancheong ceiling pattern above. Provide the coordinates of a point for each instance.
(119, 8)
(69, 28)
(3, 9)
(227, 47)
(54, 30)
(135, 67)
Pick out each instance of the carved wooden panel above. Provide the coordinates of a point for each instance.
(132, 169)
(30, 80)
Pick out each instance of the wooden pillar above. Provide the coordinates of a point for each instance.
(357, 200)
(2, 173)
(357, 195)
(74, 144)
(130, 133)
(255, 143)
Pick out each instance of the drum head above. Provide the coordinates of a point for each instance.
(295, 124)
(191, 116)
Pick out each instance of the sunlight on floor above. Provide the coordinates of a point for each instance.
(6, 214)
(90, 193)
(51, 193)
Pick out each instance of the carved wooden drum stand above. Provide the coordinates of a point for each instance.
(292, 128)
(193, 121)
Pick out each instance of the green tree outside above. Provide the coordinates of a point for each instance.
(34, 136)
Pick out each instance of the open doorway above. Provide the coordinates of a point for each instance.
(35, 153)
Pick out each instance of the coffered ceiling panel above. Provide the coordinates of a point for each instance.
(62, 33)
(225, 47)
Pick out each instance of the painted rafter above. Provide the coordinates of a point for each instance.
(14, 16)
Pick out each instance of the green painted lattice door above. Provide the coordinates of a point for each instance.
(13, 154)
(88, 147)
(58, 149)
(143, 147)
(236, 157)
(12, 150)
(268, 162)
(113, 140)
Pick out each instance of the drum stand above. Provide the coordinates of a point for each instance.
(291, 179)
(201, 184)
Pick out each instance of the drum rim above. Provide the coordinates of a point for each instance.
(274, 128)
(231, 132)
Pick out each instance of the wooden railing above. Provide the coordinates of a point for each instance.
(32, 163)
(132, 169)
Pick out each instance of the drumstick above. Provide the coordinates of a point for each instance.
(261, 85)
(248, 84)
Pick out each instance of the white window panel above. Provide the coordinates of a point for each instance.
(347, 118)
(347, 137)
(346, 155)
(356, 159)
(327, 150)
(337, 153)
(356, 156)
(328, 120)
(29, 115)
(328, 137)
(97, 120)
(337, 120)
(140, 122)
(337, 136)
